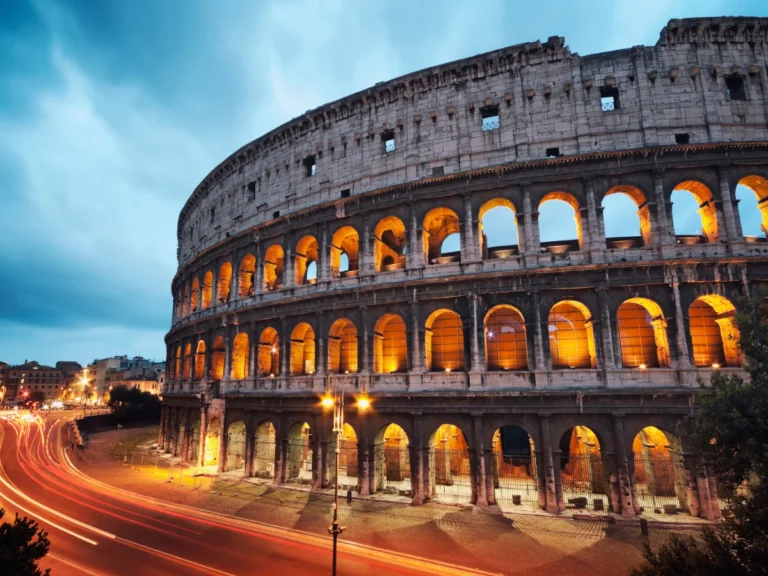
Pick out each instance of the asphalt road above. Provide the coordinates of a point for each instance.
(96, 529)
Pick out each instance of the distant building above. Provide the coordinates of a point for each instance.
(32, 377)
(151, 386)
(71, 373)
(3, 390)
(118, 370)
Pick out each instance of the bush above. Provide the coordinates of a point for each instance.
(22, 544)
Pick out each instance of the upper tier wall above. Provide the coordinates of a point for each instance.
(546, 98)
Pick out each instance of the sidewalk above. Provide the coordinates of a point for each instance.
(508, 543)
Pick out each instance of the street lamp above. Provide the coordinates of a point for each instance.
(84, 384)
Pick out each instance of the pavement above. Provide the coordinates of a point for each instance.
(492, 541)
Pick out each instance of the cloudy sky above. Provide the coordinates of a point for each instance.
(112, 111)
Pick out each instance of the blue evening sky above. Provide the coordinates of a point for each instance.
(112, 111)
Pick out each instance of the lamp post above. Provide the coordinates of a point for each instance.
(84, 384)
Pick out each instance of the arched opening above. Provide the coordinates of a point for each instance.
(693, 214)
(505, 344)
(571, 336)
(449, 465)
(177, 366)
(585, 484)
(444, 342)
(752, 194)
(342, 347)
(224, 282)
(193, 296)
(185, 301)
(200, 360)
(515, 477)
(177, 308)
(302, 350)
(389, 244)
(345, 242)
(627, 218)
(392, 461)
(194, 441)
(306, 257)
(560, 227)
(299, 461)
(438, 225)
(187, 361)
(390, 349)
(235, 446)
(269, 353)
(273, 268)
(247, 276)
(264, 451)
(642, 334)
(659, 476)
(347, 458)
(714, 333)
(207, 294)
(218, 352)
(240, 357)
(211, 454)
(497, 229)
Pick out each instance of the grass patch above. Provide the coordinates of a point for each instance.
(132, 441)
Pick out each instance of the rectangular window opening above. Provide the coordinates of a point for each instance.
(609, 98)
(213, 214)
(438, 171)
(737, 90)
(683, 138)
(345, 193)
(310, 166)
(553, 152)
(276, 214)
(490, 115)
(388, 138)
(251, 191)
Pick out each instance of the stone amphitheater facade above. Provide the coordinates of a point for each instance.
(552, 375)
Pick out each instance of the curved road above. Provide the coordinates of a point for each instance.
(96, 529)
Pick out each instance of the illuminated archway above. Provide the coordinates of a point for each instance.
(714, 334)
(342, 347)
(212, 438)
(348, 466)
(218, 352)
(584, 479)
(240, 357)
(707, 214)
(207, 294)
(555, 209)
(345, 241)
(439, 224)
(273, 268)
(642, 334)
(235, 446)
(571, 337)
(246, 278)
(515, 477)
(264, 451)
(269, 353)
(449, 467)
(497, 229)
(390, 348)
(200, 360)
(306, 255)
(505, 344)
(302, 350)
(187, 361)
(299, 460)
(389, 244)
(622, 228)
(659, 476)
(757, 187)
(185, 301)
(224, 282)
(444, 342)
(194, 295)
(177, 365)
(392, 460)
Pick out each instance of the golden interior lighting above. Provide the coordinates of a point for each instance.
(363, 402)
(327, 401)
(715, 366)
(642, 366)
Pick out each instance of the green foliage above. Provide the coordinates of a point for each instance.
(22, 544)
(36, 396)
(131, 404)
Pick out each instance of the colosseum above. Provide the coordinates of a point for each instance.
(548, 365)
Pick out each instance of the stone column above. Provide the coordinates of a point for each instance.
(227, 355)
(477, 367)
(366, 249)
(414, 258)
(222, 442)
(284, 351)
(733, 232)
(666, 232)
(234, 293)
(318, 457)
(609, 358)
(258, 281)
(325, 256)
(692, 489)
(683, 355)
(185, 438)
(530, 227)
(207, 361)
(163, 424)
(417, 365)
(481, 485)
(289, 279)
(248, 469)
(203, 435)
(538, 336)
(366, 344)
(470, 251)
(593, 240)
(320, 356)
(371, 478)
(628, 505)
(549, 465)
(417, 465)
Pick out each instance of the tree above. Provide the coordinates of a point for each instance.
(131, 404)
(36, 396)
(731, 432)
(22, 544)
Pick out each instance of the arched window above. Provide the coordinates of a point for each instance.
(218, 352)
(207, 294)
(392, 457)
(438, 225)
(240, 357)
(626, 217)
(345, 242)
(694, 214)
(179, 302)
(505, 345)
(193, 296)
(389, 244)
(185, 302)
(497, 229)
(571, 338)
(514, 471)
(177, 365)
(444, 346)
(269, 353)
(187, 362)
(752, 194)
(450, 478)
(560, 223)
(200, 360)
(657, 467)
(342, 347)
(390, 350)
(273, 268)
(642, 334)
(306, 257)
(247, 277)
(714, 334)
(302, 350)
(224, 283)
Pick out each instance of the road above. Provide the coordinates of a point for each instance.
(96, 529)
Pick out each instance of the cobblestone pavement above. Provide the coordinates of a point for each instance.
(502, 543)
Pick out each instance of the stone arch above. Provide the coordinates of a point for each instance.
(207, 293)
(200, 360)
(185, 301)
(582, 471)
(246, 281)
(299, 457)
(348, 461)
(449, 467)
(342, 347)
(307, 252)
(439, 224)
(638, 197)
(514, 467)
(444, 342)
(194, 295)
(269, 353)
(714, 333)
(273, 268)
(707, 213)
(389, 244)
(390, 345)
(345, 241)
(218, 353)
(186, 373)
(224, 282)
(194, 441)
(659, 477)
(392, 460)
(264, 447)
(759, 187)
(177, 366)
(212, 440)
(178, 305)
(571, 336)
(505, 340)
(240, 351)
(642, 334)
(493, 243)
(302, 350)
(235, 446)
(561, 245)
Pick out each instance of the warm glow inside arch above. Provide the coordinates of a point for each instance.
(389, 244)
(306, 254)
(302, 350)
(619, 223)
(707, 212)
(438, 224)
(759, 187)
(444, 342)
(240, 357)
(273, 268)
(224, 282)
(185, 301)
(187, 361)
(505, 344)
(200, 360)
(345, 241)
(390, 351)
(571, 337)
(342, 347)
(247, 276)
(269, 353)
(714, 334)
(194, 295)
(642, 334)
(218, 351)
(207, 294)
